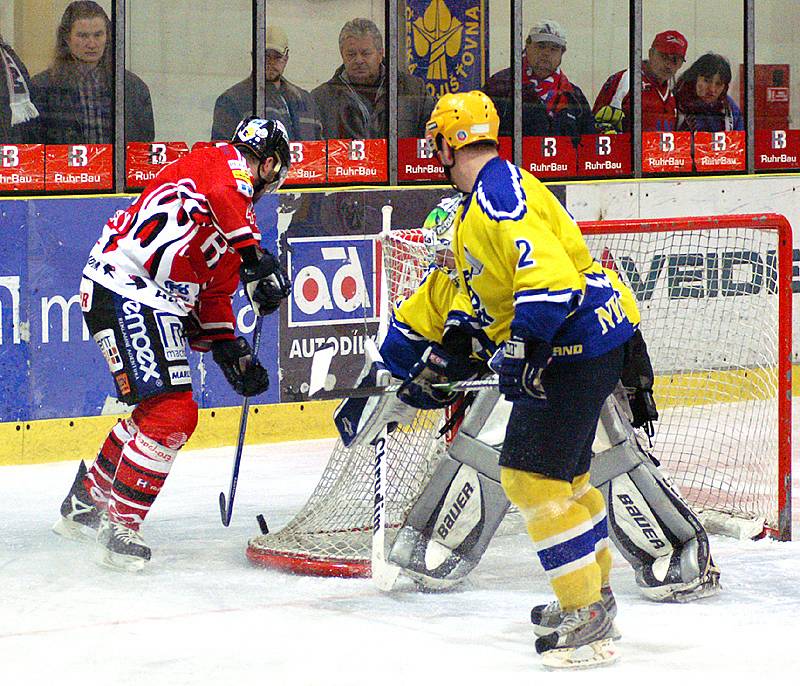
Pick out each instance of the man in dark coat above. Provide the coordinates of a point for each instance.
(75, 95)
(19, 118)
(354, 102)
(551, 104)
(289, 104)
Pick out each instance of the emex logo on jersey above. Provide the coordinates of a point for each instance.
(335, 280)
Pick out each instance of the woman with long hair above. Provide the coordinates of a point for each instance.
(75, 95)
(702, 97)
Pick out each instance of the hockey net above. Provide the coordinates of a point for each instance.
(332, 533)
(715, 299)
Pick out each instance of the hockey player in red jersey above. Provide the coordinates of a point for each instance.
(612, 108)
(164, 271)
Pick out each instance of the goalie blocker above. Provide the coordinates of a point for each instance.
(455, 517)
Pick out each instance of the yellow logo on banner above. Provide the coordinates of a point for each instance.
(437, 33)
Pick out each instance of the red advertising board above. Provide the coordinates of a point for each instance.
(777, 149)
(549, 157)
(308, 163)
(605, 155)
(505, 148)
(416, 162)
(666, 151)
(144, 160)
(21, 167)
(79, 167)
(719, 151)
(353, 160)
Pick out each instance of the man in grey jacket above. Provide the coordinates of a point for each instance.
(354, 102)
(285, 102)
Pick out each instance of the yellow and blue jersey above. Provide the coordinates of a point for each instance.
(524, 269)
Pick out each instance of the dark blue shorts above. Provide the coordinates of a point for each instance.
(554, 436)
(144, 348)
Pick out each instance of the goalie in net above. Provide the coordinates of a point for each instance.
(454, 517)
(655, 530)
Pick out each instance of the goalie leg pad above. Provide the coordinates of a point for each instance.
(651, 524)
(450, 526)
(458, 512)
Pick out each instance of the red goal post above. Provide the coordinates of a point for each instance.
(715, 294)
(715, 298)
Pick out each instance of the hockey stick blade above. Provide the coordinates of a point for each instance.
(320, 364)
(368, 391)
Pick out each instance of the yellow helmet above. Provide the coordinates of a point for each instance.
(463, 118)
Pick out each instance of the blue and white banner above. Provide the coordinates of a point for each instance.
(447, 44)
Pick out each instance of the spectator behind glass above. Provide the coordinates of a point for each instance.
(19, 118)
(612, 108)
(551, 105)
(75, 95)
(354, 102)
(702, 97)
(289, 104)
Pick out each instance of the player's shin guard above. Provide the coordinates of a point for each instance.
(587, 495)
(649, 521)
(165, 424)
(100, 476)
(563, 533)
(453, 520)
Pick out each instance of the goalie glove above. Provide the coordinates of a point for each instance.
(637, 376)
(243, 371)
(264, 281)
(437, 366)
(520, 364)
(609, 119)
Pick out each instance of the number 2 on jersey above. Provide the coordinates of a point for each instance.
(525, 250)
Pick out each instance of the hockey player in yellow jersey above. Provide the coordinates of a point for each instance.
(560, 324)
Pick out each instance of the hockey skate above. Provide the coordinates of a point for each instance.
(80, 518)
(119, 547)
(703, 586)
(546, 618)
(583, 639)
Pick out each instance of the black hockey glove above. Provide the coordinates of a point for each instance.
(520, 368)
(443, 363)
(637, 377)
(243, 371)
(264, 281)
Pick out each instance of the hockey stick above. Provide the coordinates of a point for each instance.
(226, 507)
(368, 391)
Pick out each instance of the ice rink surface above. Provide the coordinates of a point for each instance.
(201, 614)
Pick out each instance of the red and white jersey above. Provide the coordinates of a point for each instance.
(180, 237)
(658, 101)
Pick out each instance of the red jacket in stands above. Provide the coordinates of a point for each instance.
(658, 102)
(175, 248)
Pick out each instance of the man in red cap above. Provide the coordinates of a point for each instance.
(612, 108)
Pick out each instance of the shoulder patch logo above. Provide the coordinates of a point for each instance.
(245, 188)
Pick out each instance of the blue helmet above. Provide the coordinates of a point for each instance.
(265, 138)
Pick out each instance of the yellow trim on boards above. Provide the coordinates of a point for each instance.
(53, 440)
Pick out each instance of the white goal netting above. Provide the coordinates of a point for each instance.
(714, 298)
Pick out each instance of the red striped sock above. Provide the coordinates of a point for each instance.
(142, 470)
(100, 476)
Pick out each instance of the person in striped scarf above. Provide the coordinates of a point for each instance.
(551, 104)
